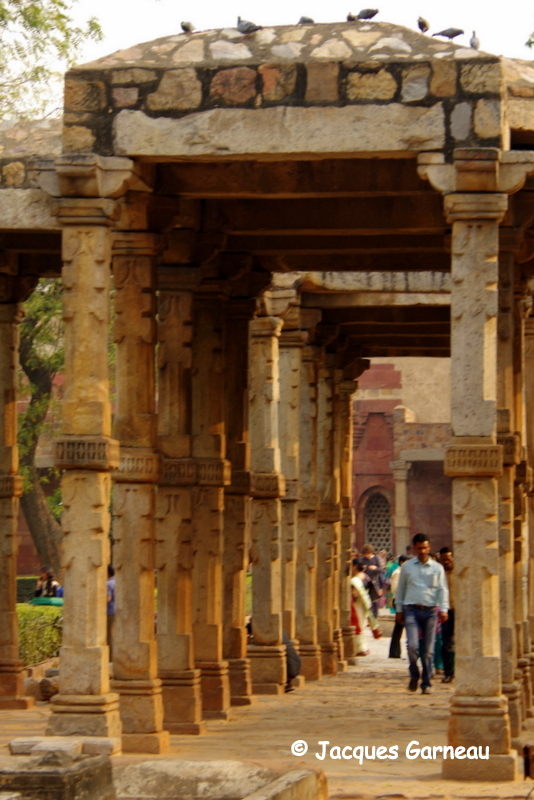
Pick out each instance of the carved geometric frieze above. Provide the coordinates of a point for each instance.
(481, 460)
(138, 465)
(214, 472)
(511, 448)
(87, 452)
(292, 490)
(11, 485)
(267, 484)
(329, 513)
(195, 471)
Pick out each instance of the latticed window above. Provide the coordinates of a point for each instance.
(378, 522)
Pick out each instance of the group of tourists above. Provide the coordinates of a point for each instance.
(418, 587)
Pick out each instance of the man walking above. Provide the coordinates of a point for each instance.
(421, 591)
(446, 559)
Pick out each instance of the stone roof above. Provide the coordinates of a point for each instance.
(371, 41)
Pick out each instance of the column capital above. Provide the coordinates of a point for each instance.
(477, 169)
(87, 211)
(88, 175)
(475, 206)
(265, 326)
(293, 338)
(400, 469)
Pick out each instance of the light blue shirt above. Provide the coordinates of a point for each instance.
(422, 585)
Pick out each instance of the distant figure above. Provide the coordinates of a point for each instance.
(373, 570)
(423, 24)
(362, 604)
(110, 609)
(46, 586)
(293, 662)
(474, 41)
(394, 647)
(447, 628)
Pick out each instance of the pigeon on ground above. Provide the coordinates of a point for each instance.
(367, 13)
(306, 21)
(423, 24)
(351, 17)
(244, 26)
(474, 41)
(449, 33)
(187, 27)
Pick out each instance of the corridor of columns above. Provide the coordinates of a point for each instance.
(268, 228)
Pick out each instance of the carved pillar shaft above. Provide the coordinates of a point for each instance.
(134, 648)
(182, 704)
(268, 665)
(479, 711)
(85, 451)
(237, 502)
(529, 418)
(11, 668)
(346, 392)
(401, 471)
(306, 598)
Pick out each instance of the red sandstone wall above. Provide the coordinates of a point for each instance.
(429, 495)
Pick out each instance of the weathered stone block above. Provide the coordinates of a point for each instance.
(488, 118)
(85, 95)
(476, 460)
(461, 121)
(481, 78)
(77, 139)
(13, 174)
(371, 86)
(179, 90)
(133, 76)
(415, 82)
(443, 81)
(234, 86)
(321, 84)
(278, 81)
(59, 776)
(125, 96)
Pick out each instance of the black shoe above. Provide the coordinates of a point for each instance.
(447, 679)
(426, 690)
(412, 686)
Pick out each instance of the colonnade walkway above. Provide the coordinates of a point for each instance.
(369, 705)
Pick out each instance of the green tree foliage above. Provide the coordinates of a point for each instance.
(38, 39)
(40, 629)
(41, 358)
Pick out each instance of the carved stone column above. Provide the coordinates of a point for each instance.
(182, 703)
(479, 709)
(86, 452)
(346, 391)
(237, 501)
(135, 666)
(11, 668)
(306, 597)
(401, 520)
(529, 417)
(329, 515)
(337, 379)
(267, 654)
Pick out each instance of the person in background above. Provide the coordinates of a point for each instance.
(46, 585)
(362, 604)
(394, 647)
(373, 570)
(447, 628)
(110, 588)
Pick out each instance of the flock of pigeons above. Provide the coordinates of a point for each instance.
(245, 27)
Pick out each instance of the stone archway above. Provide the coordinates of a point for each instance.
(377, 521)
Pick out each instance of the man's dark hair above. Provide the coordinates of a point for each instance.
(445, 550)
(419, 537)
(403, 558)
(355, 562)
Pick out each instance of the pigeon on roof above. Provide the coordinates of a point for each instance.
(306, 21)
(367, 13)
(449, 33)
(187, 27)
(245, 27)
(474, 41)
(351, 17)
(423, 24)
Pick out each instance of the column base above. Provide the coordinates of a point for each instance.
(16, 702)
(298, 682)
(240, 682)
(215, 689)
(338, 641)
(480, 722)
(329, 658)
(12, 686)
(342, 666)
(349, 642)
(267, 668)
(512, 691)
(85, 715)
(154, 743)
(524, 668)
(310, 657)
(182, 702)
(495, 768)
(141, 709)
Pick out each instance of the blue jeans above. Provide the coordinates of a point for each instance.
(424, 620)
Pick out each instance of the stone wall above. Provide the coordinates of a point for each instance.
(20, 140)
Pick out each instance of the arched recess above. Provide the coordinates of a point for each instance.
(374, 514)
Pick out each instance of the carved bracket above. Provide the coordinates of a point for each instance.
(476, 460)
(87, 452)
(88, 176)
(477, 170)
(196, 471)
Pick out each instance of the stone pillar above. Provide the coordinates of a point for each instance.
(135, 668)
(401, 520)
(346, 391)
(267, 654)
(213, 474)
(306, 596)
(329, 515)
(511, 453)
(11, 668)
(479, 710)
(85, 705)
(237, 502)
(182, 703)
(337, 379)
(529, 417)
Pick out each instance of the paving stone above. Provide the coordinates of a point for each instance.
(332, 48)
(371, 86)
(288, 50)
(179, 89)
(57, 775)
(192, 51)
(229, 50)
(278, 81)
(234, 86)
(321, 83)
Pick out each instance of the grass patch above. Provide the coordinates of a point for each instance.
(39, 632)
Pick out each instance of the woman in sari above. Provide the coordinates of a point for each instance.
(362, 605)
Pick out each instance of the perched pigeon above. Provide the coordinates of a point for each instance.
(187, 27)
(306, 21)
(474, 41)
(423, 24)
(367, 13)
(449, 33)
(244, 26)
(351, 17)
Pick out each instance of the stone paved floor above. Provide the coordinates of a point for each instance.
(368, 705)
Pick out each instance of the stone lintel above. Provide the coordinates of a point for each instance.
(87, 211)
(425, 454)
(138, 465)
(477, 460)
(511, 448)
(196, 471)
(289, 338)
(267, 484)
(329, 512)
(87, 452)
(11, 486)
(178, 278)
(136, 243)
